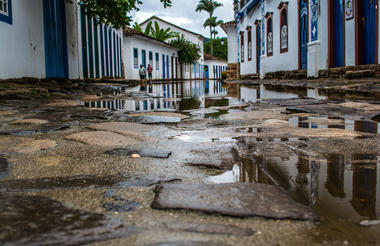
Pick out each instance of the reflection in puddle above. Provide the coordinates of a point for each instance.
(192, 95)
(343, 186)
(335, 122)
(192, 138)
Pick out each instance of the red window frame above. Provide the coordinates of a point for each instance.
(249, 43)
(283, 8)
(242, 55)
(269, 19)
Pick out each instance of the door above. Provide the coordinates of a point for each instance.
(206, 72)
(258, 49)
(163, 67)
(167, 66)
(337, 33)
(303, 8)
(143, 56)
(56, 61)
(367, 31)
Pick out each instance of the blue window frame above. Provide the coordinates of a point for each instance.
(143, 56)
(6, 11)
(151, 58)
(157, 61)
(135, 58)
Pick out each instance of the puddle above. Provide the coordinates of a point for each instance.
(191, 137)
(194, 95)
(344, 187)
(335, 122)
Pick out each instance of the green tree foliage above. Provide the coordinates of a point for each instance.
(220, 50)
(188, 52)
(160, 33)
(115, 12)
(155, 31)
(213, 22)
(208, 6)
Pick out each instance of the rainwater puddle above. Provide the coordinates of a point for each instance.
(192, 96)
(325, 122)
(342, 187)
(193, 138)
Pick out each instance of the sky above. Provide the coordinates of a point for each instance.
(182, 13)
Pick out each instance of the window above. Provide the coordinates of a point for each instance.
(157, 61)
(143, 56)
(151, 58)
(242, 46)
(283, 7)
(249, 45)
(135, 58)
(269, 34)
(6, 11)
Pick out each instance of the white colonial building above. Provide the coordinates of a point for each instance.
(305, 36)
(213, 67)
(194, 71)
(55, 39)
(141, 49)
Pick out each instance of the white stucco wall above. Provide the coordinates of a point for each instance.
(142, 43)
(216, 63)
(350, 42)
(22, 43)
(279, 61)
(194, 38)
(231, 32)
(74, 40)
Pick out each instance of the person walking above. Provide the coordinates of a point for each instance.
(150, 73)
(142, 73)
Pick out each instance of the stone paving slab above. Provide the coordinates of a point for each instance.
(220, 158)
(238, 200)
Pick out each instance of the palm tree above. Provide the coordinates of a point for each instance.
(147, 30)
(208, 6)
(213, 22)
(162, 34)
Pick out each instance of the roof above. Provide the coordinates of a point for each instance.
(167, 22)
(133, 32)
(210, 57)
(228, 24)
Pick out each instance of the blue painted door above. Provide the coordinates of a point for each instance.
(258, 48)
(369, 31)
(206, 72)
(56, 61)
(338, 33)
(143, 56)
(167, 67)
(163, 66)
(303, 33)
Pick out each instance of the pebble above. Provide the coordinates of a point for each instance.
(135, 156)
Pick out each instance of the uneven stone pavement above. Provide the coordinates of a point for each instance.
(85, 171)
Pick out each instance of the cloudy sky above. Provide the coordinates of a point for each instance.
(183, 14)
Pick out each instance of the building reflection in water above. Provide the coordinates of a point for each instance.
(350, 182)
(336, 123)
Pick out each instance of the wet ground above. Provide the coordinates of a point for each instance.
(217, 164)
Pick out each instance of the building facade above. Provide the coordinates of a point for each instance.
(193, 71)
(141, 49)
(55, 39)
(213, 67)
(303, 35)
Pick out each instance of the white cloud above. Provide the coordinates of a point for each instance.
(183, 14)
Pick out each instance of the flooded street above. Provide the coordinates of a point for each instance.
(189, 163)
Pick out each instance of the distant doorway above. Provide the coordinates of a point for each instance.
(366, 31)
(258, 47)
(336, 33)
(206, 72)
(303, 33)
